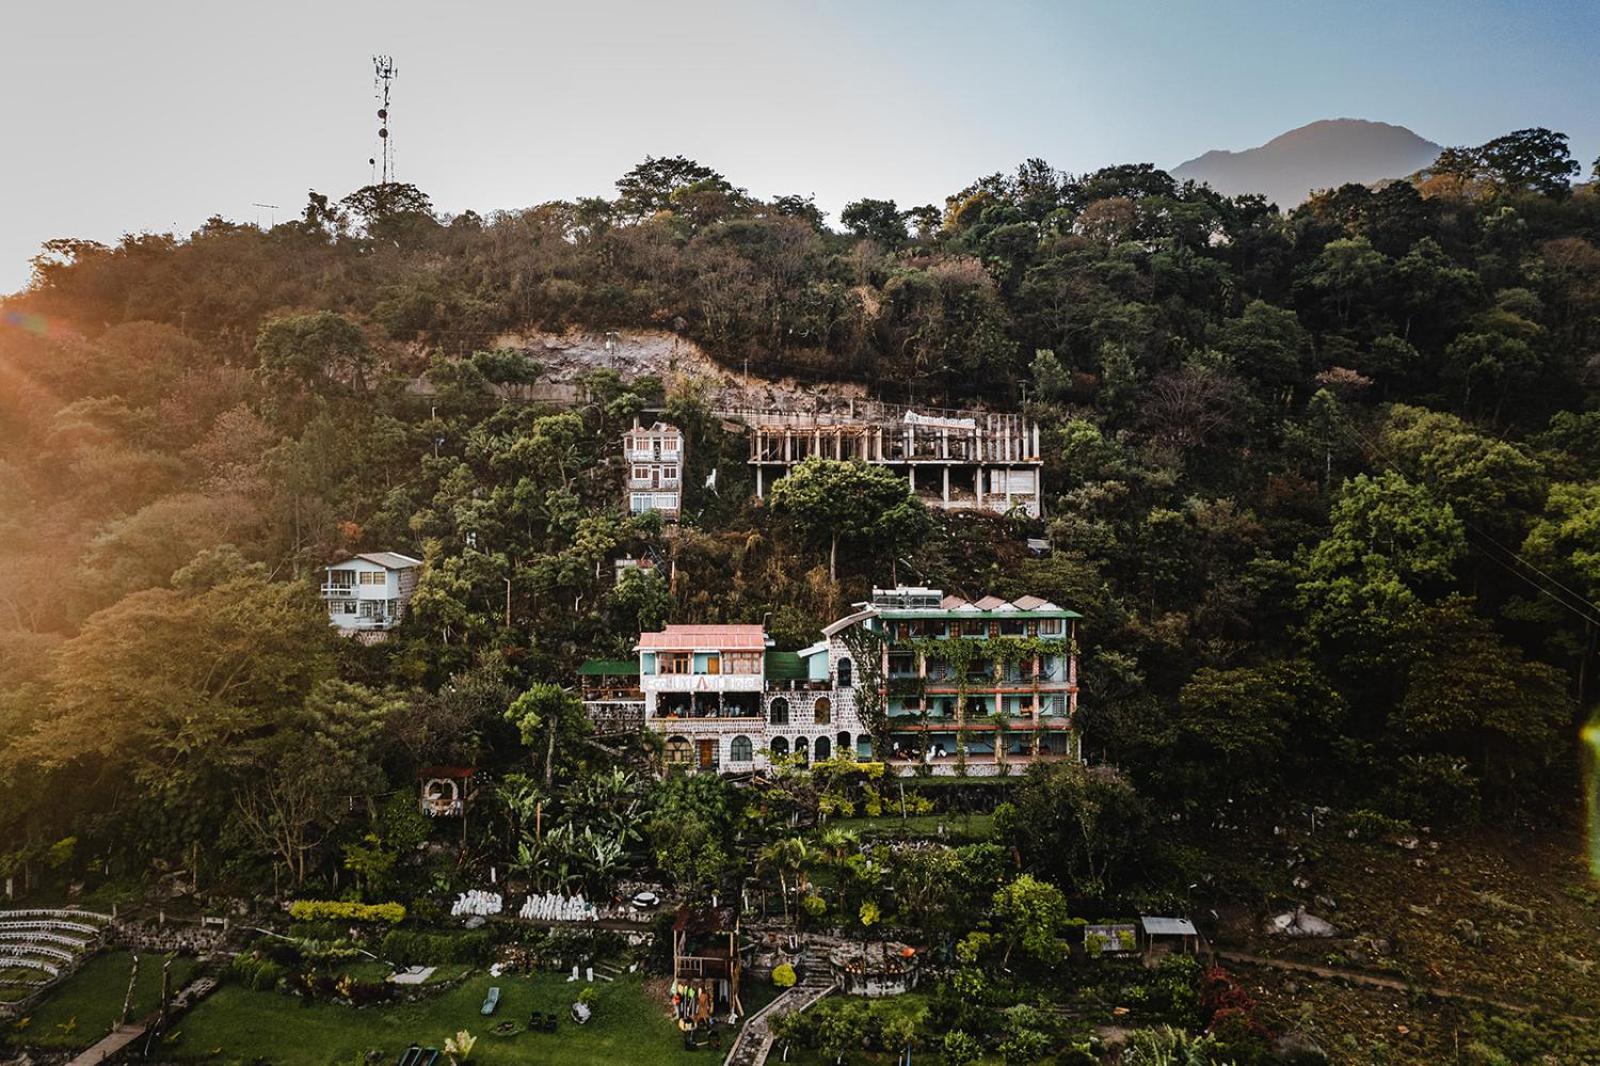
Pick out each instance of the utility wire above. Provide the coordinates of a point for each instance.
(1589, 611)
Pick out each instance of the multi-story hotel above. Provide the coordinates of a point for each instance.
(958, 686)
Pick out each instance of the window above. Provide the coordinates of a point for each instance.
(674, 662)
(677, 751)
(669, 475)
(378, 578)
(779, 746)
(742, 662)
(778, 711)
(1050, 627)
(843, 743)
(822, 711)
(641, 473)
(800, 750)
(846, 680)
(342, 579)
(823, 749)
(741, 750)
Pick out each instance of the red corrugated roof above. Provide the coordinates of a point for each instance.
(719, 638)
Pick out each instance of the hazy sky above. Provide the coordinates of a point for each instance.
(149, 115)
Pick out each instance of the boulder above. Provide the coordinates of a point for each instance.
(1299, 923)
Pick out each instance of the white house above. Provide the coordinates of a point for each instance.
(367, 593)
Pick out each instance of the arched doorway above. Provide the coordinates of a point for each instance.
(801, 750)
(779, 746)
(823, 749)
(778, 711)
(678, 751)
(846, 674)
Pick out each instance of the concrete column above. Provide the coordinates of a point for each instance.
(788, 450)
(977, 483)
(758, 481)
(947, 484)
(911, 471)
(944, 444)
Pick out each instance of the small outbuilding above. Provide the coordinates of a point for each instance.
(1166, 936)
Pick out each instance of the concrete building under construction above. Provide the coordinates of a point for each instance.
(953, 460)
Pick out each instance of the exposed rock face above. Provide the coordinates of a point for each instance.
(1322, 155)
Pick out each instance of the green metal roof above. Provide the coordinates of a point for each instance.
(609, 668)
(786, 666)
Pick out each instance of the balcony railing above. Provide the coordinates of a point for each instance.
(702, 682)
(338, 591)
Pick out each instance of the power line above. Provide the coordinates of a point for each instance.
(1589, 612)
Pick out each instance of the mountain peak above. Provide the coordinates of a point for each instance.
(1319, 155)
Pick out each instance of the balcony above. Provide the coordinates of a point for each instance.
(338, 592)
(701, 682)
(356, 622)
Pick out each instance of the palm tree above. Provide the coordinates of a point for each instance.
(785, 857)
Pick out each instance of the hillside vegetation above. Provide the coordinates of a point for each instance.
(1325, 487)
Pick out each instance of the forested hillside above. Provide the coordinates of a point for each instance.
(1325, 486)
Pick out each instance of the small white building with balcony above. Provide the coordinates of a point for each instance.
(367, 594)
(653, 461)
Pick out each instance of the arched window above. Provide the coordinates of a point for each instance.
(842, 743)
(822, 711)
(800, 749)
(741, 750)
(778, 712)
(823, 749)
(678, 751)
(779, 746)
(864, 745)
(846, 674)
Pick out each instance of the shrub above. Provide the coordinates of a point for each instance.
(783, 975)
(410, 948)
(325, 930)
(256, 973)
(313, 910)
(959, 1049)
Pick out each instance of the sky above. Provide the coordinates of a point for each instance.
(152, 116)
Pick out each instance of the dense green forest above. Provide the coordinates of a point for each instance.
(1325, 485)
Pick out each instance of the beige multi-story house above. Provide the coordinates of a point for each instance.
(654, 458)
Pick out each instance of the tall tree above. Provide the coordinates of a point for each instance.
(854, 503)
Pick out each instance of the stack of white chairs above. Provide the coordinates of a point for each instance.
(551, 907)
(476, 902)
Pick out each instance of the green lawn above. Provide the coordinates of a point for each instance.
(83, 1008)
(367, 970)
(239, 1025)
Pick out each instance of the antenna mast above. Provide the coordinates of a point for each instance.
(384, 72)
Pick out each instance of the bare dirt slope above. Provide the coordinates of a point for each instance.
(677, 361)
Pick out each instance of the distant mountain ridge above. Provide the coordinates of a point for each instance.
(1319, 155)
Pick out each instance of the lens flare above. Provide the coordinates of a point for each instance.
(33, 322)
